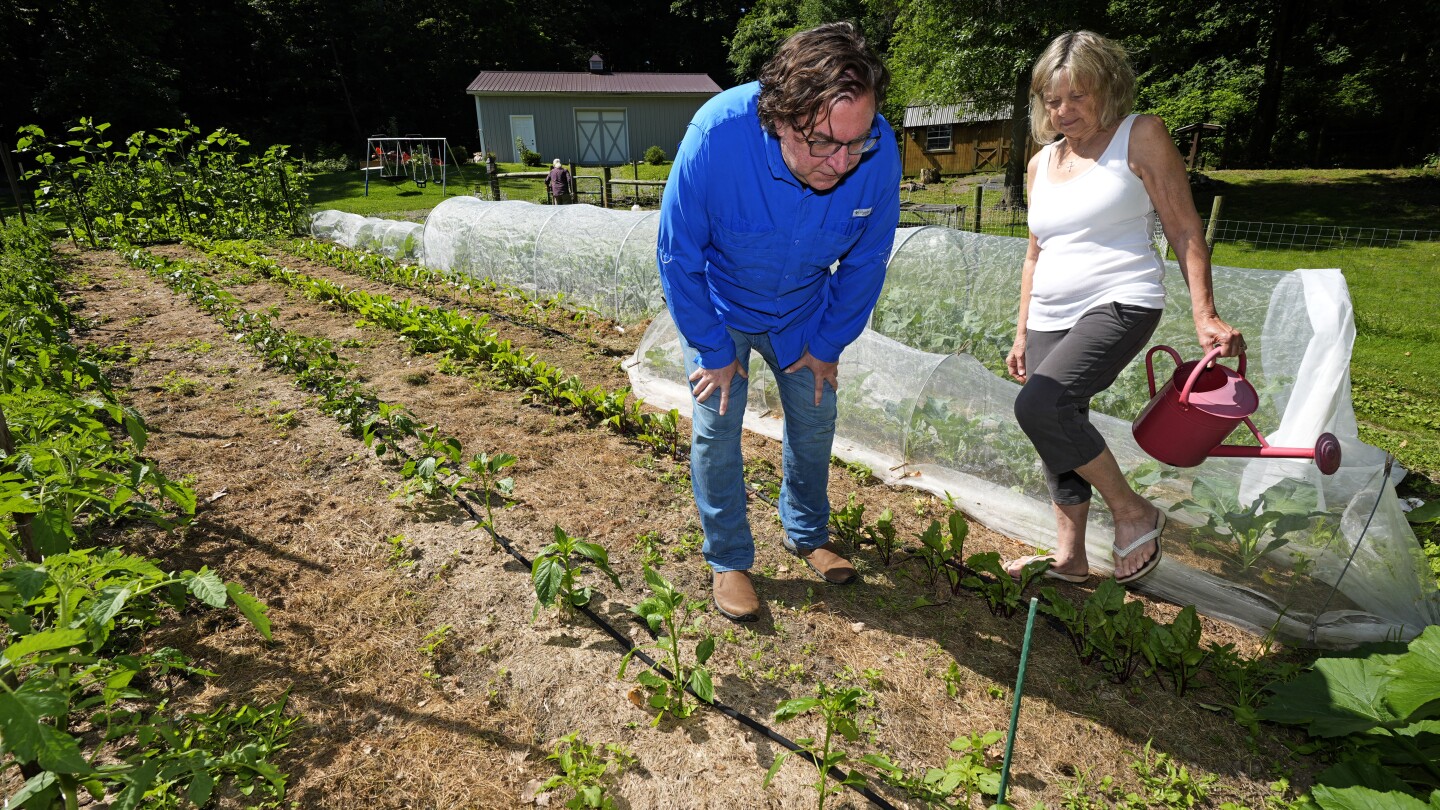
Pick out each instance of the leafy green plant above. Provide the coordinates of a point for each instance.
(1107, 629)
(431, 645)
(939, 551)
(1245, 682)
(881, 534)
(554, 572)
(63, 622)
(527, 156)
(838, 709)
(1174, 648)
(1378, 711)
(667, 612)
(990, 579)
(655, 156)
(968, 774)
(488, 468)
(1279, 511)
(585, 769)
(848, 523)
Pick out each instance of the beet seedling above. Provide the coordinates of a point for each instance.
(668, 612)
(554, 572)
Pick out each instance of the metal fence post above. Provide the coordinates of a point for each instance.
(979, 199)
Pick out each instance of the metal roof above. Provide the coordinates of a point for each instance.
(925, 115)
(527, 81)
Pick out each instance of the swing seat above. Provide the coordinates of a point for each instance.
(420, 182)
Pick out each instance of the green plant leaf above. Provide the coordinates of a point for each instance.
(794, 708)
(701, 685)
(29, 579)
(251, 608)
(1424, 514)
(1416, 676)
(208, 588)
(547, 573)
(1363, 798)
(45, 641)
(1339, 696)
(704, 649)
(33, 787)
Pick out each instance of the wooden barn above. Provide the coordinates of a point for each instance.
(956, 139)
(593, 117)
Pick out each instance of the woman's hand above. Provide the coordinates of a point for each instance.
(1015, 360)
(1214, 332)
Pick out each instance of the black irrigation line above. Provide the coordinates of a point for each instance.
(628, 646)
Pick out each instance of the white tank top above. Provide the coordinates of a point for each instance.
(1095, 240)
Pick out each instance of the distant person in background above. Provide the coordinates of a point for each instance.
(1091, 290)
(559, 181)
(776, 181)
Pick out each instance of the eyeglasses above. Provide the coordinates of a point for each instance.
(824, 148)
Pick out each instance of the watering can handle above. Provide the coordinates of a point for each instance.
(1150, 364)
(1201, 366)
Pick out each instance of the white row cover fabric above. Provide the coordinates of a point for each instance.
(388, 237)
(1271, 545)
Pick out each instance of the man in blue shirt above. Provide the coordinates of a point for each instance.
(775, 227)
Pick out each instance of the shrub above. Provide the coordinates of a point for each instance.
(527, 157)
(655, 156)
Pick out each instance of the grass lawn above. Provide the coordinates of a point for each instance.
(403, 200)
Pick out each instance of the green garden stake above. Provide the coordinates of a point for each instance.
(1015, 707)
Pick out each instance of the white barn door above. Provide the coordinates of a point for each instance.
(522, 128)
(602, 136)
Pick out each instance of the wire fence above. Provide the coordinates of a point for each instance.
(1290, 236)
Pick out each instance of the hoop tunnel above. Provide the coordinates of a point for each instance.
(925, 402)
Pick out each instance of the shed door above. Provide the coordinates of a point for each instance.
(522, 128)
(602, 137)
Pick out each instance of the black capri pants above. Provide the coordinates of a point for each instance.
(1064, 370)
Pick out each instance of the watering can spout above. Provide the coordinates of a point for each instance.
(1188, 419)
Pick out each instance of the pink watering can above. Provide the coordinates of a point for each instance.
(1188, 419)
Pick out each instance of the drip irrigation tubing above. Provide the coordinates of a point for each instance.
(628, 646)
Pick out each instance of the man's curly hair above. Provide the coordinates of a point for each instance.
(812, 70)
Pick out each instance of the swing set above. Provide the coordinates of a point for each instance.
(406, 158)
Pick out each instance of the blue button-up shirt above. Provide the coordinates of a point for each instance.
(744, 244)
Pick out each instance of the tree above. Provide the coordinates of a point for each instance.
(980, 52)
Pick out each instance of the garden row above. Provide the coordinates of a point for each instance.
(80, 705)
(1105, 628)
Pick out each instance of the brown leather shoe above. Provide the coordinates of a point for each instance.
(827, 562)
(735, 597)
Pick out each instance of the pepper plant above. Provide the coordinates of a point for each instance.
(554, 572)
(488, 468)
(667, 612)
(585, 769)
(838, 709)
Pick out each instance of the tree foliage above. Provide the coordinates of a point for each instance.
(318, 73)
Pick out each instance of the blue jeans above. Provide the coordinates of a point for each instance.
(717, 469)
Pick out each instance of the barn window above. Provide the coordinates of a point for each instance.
(937, 138)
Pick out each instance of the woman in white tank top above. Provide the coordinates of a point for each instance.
(1091, 287)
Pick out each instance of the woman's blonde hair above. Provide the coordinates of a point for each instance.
(1096, 65)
